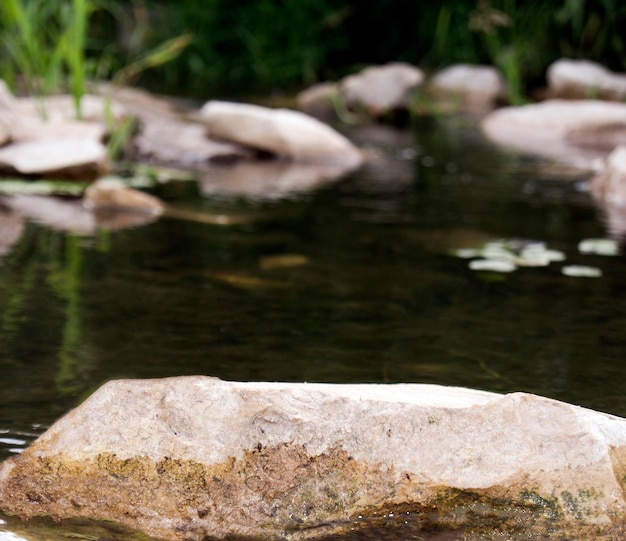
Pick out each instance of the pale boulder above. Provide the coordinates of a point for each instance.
(191, 458)
(53, 118)
(474, 87)
(579, 79)
(62, 107)
(63, 157)
(283, 132)
(168, 140)
(578, 132)
(381, 89)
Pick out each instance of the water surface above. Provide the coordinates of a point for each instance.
(373, 296)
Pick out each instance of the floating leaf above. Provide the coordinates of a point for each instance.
(283, 261)
(243, 281)
(581, 271)
(598, 247)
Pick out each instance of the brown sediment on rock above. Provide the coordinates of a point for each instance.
(271, 489)
(280, 492)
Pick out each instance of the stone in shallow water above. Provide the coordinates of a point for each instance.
(286, 133)
(381, 89)
(475, 87)
(560, 129)
(72, 157)
(582, 79)
(191, 457)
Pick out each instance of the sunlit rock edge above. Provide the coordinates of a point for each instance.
(189, 457)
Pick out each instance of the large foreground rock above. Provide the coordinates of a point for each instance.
(579, 132)
(288, 134)
(195, 457)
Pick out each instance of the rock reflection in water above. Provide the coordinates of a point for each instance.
(70, 215)
(11, 229)
(272, 179)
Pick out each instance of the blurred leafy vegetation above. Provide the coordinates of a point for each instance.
(275, 44)
(251, 46)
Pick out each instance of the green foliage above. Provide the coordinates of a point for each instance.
(267, 44)
(256, 46)
(48, 45)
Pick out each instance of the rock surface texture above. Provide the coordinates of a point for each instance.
(288, 134)
(196, 457)
(579, 79)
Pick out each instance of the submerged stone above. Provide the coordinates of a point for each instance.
(190, 458)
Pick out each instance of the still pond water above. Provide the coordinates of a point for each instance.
(372, 296)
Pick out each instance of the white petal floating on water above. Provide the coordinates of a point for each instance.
(555, 255)
(581, 271)
(598, 247)
(467, 253)
(532, 260)
(497, 253)
(494, 265)
(538, 256)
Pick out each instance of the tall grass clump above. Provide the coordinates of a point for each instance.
(50, 47)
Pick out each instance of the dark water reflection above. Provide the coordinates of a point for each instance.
(379, 301)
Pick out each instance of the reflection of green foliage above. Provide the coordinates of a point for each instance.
(43, 261)
(67, 285)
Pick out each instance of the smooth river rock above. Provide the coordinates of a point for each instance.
(283, 132)
(473, 87)
(580, 79)
(194, 457)
(81, 158)
(579, 132)
(381, 89)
